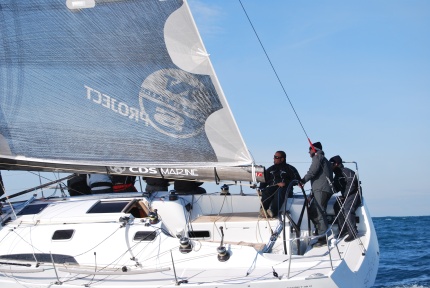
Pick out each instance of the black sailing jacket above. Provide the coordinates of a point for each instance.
(280, 173)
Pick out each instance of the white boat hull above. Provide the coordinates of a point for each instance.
(105, 251)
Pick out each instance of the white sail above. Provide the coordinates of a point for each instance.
(121, 84)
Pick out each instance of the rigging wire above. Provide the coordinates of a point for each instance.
(40, 182)
(280, 82)
(276, 74)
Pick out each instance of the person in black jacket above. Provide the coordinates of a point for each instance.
(278, 177)
(345, 181)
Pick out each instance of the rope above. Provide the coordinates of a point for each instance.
(279, 80)
(274, 70)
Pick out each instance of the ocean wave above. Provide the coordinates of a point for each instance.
(404, 244)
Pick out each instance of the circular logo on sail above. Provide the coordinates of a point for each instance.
(118, 170)
(177, 103)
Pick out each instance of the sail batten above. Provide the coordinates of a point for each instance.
(121, 84)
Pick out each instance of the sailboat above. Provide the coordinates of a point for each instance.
(128, 88)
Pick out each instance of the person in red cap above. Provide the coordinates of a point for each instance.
(321, 176)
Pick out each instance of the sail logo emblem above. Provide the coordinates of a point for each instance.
(118, 170)
(177, 103)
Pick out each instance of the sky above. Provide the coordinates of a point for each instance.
(357, 74)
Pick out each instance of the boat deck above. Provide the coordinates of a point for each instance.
(230, 217)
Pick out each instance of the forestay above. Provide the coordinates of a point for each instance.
(123, 87)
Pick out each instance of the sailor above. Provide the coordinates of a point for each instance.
(320, 174)
(123, 183)
(156, 184)
(99, 183)
(188, 187)
(278, 177)
(345, 181)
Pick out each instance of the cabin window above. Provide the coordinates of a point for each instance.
(145, 236)
(32, 209)
(63, 234)
(108, 207)
(198, 234)
(41, 257)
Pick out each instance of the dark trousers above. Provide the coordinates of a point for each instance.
(350, 204)
(273, 197)
(317, 210)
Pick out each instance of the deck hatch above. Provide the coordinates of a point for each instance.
(145, 236)
(199, 234)
(108, 207)
(32, 209)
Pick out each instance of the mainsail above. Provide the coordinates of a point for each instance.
(121, 87)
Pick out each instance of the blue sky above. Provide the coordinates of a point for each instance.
(357, 73)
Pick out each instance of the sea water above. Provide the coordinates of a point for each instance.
(404, 245)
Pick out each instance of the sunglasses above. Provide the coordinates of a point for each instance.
(277, 157)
